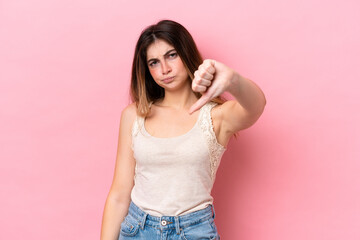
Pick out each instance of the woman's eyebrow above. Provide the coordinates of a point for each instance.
(164, 55)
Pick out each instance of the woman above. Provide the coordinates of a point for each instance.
(172, 137)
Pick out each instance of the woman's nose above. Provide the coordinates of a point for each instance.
(165, 68)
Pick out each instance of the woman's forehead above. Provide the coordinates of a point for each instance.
(158, 49)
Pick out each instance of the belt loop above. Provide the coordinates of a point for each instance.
(177, 225)
(142, 224)
(213, 209)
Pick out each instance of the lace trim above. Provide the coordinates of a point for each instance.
(136, 126)
(134, 131)
(216, 150)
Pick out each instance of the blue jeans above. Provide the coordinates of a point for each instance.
(192, 226)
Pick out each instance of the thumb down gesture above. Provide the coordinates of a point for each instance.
(212, 78)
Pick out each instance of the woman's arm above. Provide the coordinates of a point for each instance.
(247, 108)
(212, 79)
(118, 199)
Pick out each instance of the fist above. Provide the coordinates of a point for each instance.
(203, 76)
(211, 79)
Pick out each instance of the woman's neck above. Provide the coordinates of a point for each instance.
(181, 99)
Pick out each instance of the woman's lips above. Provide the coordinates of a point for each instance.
(167, 80)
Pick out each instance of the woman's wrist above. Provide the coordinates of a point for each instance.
(234, 83)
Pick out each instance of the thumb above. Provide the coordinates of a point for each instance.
(199, 103)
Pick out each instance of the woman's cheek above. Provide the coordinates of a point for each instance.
(153, 73)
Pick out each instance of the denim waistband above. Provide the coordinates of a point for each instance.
(171, 222)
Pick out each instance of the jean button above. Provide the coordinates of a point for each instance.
(163, 222)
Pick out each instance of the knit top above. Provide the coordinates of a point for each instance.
(174, 176)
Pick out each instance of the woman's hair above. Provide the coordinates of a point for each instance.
(144, 89)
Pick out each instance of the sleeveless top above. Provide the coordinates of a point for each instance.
(174, 176)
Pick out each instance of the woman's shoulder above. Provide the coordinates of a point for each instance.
(128, 114)
(225, 111)
(224, 108)
(217, 109)
(130, 109)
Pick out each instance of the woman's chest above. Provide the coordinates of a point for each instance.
(187, 150)
(170, 124)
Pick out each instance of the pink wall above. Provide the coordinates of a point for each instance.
(65, 68)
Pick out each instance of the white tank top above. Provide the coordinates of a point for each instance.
(174, 176)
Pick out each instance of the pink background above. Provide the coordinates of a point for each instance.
(65, 68)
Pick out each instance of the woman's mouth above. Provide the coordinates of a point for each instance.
(169, 79)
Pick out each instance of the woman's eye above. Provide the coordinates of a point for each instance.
(173, 55)
(152, 63)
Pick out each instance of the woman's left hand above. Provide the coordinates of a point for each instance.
(211, 79)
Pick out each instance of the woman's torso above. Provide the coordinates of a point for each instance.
(175, 170)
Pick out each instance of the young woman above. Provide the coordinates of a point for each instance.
(172, 138)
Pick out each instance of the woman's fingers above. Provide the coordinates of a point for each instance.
(202, 82)
(203, 76)
(203, 73)
(208, 65)
(200, 85)
(199, 88)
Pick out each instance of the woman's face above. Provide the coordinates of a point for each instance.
(165, 66)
